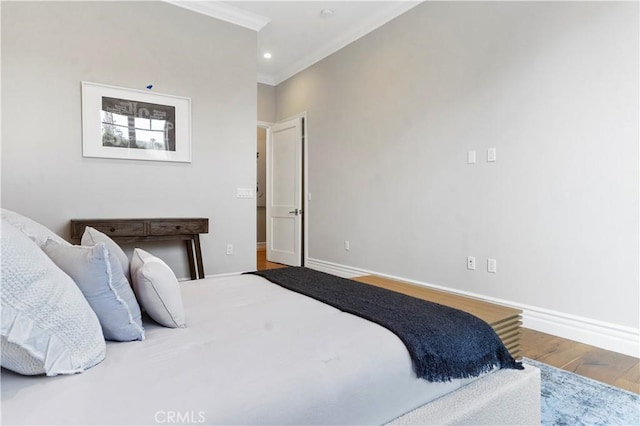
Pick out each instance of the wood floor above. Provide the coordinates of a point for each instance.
(605, 366)
(263, 263)
(506, 322)
(615, 369)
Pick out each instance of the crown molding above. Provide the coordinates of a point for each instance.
(266, 79)
(224, 12)
(395, 9)
(238, 16)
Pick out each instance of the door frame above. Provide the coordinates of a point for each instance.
(305, 178)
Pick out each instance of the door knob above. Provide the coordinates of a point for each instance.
(296, 212)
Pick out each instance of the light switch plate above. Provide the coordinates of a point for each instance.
(471, 157)
(492, 266)
(491, 155)
(244, 192)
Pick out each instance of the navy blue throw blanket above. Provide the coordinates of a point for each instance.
(444, 343)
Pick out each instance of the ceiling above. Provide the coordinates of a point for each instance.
(298, 33)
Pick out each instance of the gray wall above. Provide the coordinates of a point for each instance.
(267, 114)
(266, 103)
(48, 48)
(261, 196)
(554, 87)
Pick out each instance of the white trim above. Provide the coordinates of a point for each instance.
(266, 79)
(394, 10)
(224, 12)
(305, 166)
(613, 337)
(262, 246)
(253, 21)
(605, 335)
(335, 269)
(226, 274)
(305, 189)
(305, 178)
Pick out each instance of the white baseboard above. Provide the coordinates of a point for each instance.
(261, 246)
(613, 337)
(602, 334)
(335, 269)
(227, 274)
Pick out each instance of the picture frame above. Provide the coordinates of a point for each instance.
(134, 124)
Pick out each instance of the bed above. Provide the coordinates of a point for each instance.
(253, 352)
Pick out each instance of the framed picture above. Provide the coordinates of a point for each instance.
(134, 124)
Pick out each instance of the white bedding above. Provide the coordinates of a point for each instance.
(252, 353)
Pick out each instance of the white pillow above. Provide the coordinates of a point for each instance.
(37, 232)
(157, 289)
(47, 325)
(103, 284)
(91, 237)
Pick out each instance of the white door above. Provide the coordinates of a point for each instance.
(284, 193)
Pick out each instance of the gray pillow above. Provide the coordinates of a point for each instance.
(100, 278)
(91, 237)
(47, 325)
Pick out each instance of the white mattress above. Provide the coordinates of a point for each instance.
(252, 353)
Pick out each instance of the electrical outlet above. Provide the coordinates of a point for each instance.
(229, 248)
(346, 245)
(492, 266)
(471, 263)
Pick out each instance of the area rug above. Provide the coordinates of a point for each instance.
(570, 399)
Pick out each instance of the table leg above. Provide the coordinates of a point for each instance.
(192, 268)
(196, 242)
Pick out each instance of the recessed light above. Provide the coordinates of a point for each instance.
(326, 13)
(267, 55)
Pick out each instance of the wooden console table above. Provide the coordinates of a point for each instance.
(161, 229)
